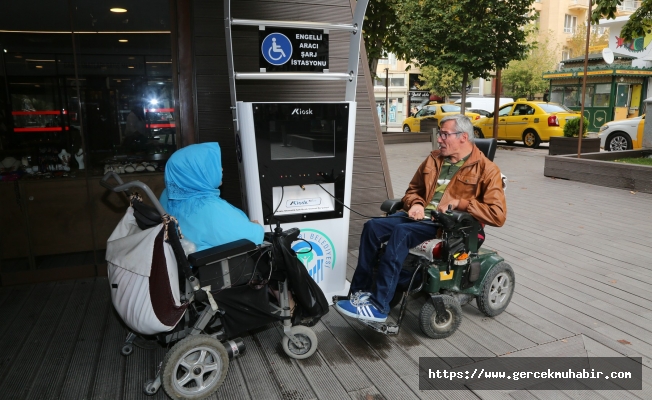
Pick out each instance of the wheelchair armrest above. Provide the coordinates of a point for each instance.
(220, 252)
(391, 206)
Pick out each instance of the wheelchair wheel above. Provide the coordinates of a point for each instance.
(194, 368)
(307, 338)
(445, 327)
(497, 290)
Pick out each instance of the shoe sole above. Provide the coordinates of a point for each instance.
(359, 316)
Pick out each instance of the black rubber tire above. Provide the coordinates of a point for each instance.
(510, 142)
(185, 351)
(440, 331)
(531, 139)
(406, 128)
(618, 141)
(478, 133)
(307, 336)
(497, 290)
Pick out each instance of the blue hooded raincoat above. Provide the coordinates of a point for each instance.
(192, 177)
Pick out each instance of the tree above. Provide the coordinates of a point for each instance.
(577, 43)
(380, 31)
(471, 37)
(523, 78)
(639, 23)
(441, 82)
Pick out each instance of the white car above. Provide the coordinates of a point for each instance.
(622, 135)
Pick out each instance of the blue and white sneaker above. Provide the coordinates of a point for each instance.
(361, 308)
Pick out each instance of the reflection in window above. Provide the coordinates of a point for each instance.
(397, 80)
(557, 95)
(602, 94)
(505, 110)
(111, 103)
(571, 96)
(588, 96)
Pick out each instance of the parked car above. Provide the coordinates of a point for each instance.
(483, 113)
(626, 134)
(484, 103)
(533, 122)
(433, 111)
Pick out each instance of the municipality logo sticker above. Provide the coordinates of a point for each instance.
(316, 252)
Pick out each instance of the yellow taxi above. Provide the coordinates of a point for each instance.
(435, 112)
(532, 122)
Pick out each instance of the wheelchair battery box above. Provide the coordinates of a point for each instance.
(235, 270)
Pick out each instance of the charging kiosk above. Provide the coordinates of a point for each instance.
(296, 163)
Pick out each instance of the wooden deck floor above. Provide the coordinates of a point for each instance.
(581, 257)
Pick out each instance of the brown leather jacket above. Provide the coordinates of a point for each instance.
(477, 184)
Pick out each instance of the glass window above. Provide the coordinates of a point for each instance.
(571, 96)
(570, 23)
(127, 95)
(523, 109)
(397, 80)
(447, 108)
(551, 107)
(557, 94)
(602, 94)
(588, 96)
(504, 110)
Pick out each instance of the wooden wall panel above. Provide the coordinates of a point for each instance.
(371, 177)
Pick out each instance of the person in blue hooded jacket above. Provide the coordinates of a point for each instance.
(193, 175)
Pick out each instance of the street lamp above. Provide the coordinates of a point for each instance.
(386, 99)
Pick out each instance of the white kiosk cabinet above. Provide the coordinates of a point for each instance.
(296, 161)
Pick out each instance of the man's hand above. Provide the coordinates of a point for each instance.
(444, 207)
(416, 212)
(255, 221)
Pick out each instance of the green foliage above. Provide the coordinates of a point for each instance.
(572, 127)
(638, 161)
(577, 43)
(380, 31)
(441, 82)
(472, 37)
(639, 23)
(523, 78)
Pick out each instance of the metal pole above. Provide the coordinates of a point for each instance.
(496, 101)
(386, 99)
(586, 63)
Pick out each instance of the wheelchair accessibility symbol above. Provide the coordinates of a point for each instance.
(276, 48)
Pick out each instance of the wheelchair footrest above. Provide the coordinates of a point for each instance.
(387, 328)
(337, 298)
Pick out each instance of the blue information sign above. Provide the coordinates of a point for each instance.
(289, 50)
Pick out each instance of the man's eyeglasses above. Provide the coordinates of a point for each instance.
(445, 135)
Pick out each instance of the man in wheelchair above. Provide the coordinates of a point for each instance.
(458, 176)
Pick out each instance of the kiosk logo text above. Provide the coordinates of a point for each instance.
(298, 111)
(320, 257)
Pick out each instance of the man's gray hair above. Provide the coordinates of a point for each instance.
(462, 124)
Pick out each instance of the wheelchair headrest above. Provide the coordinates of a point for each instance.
(146, 216)
(487, 146)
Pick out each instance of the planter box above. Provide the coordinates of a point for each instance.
(568, 145)
(599, 169)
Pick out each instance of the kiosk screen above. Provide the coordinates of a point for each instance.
(298, 139)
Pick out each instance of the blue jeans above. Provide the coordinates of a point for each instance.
(401, 234)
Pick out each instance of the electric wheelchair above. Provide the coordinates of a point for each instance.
(451, 272)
